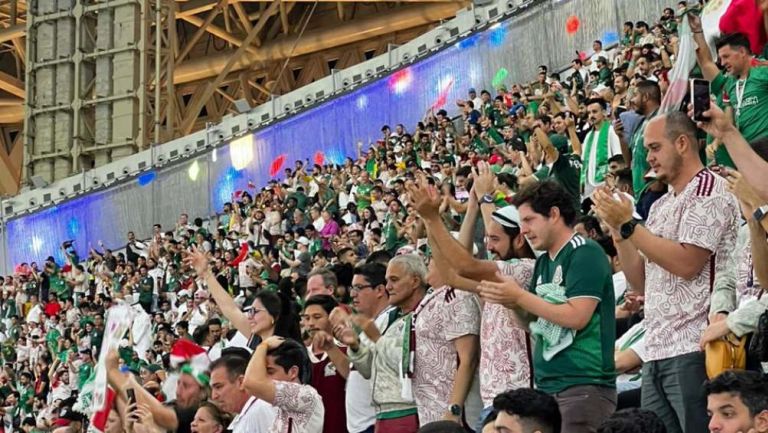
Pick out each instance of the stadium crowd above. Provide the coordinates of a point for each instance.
(555, 259)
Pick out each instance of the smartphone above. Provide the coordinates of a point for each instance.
(620, 109)
(700, 98)
(131, 396)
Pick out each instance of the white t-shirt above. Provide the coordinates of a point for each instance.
(257, 416)
(34, 314)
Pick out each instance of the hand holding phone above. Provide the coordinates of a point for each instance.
(700, 99)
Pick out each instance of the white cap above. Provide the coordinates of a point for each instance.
(183, 292)
(303, 240)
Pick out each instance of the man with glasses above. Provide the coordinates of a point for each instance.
(370, 302)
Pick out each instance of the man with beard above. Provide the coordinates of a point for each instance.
(646, 101)
(675, 265)
(600, 144)
(500, 336)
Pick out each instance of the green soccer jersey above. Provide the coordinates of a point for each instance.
(639, 155)
(582, 270)
(566, 170)
(146, 290)
(749, 100)
(363, 196)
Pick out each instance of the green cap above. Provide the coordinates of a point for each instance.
(559, 142)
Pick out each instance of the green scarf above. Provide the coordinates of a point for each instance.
(602, 153)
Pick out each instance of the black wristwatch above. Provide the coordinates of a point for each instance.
(487, 198)
(760, 213)
(456, 410)
(628, 228)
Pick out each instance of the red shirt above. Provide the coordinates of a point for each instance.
(52, 308)
(330, 385)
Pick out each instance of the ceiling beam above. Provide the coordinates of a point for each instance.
(200, 99)
(12, 85)
(10, 167)
(12, 32)
(318, 40)
(201, 29)
(219, 32)
(194, 7)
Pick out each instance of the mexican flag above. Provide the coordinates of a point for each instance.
(731, 16)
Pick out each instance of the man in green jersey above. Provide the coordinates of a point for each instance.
(744, 87)
(646, 101)
(570, 307)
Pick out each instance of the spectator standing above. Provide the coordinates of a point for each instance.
(570, 307)
(600, 144)
(686, 242)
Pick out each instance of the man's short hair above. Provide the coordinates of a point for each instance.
(678, 123)
(735, 41)
(292, 353)
(750, 387)
(543, 196)
(599, 101)
(329, 278)
(633, 420)
(618, 158)
(381, 257)
(375, 273)
(326, 302)
(651, 89)
(591, 223)
(624, 176)
(413, 264)
(343, 251)
(536, 410)
(235, 366)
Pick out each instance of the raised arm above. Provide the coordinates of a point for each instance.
(257, 382)
(703, 56)
(229, 308)
(425, 200)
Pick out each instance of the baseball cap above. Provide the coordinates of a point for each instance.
(507, 216)
(471, 90)
(559, 142)
(303, 240)
(183, 292)
(153, 368)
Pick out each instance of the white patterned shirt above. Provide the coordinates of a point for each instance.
(703, 214)
(299, 409)
(505, 351)
(440, 319)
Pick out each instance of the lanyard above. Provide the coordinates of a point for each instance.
(741, 85)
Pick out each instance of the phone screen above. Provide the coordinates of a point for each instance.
(131, 396)
(700, 98)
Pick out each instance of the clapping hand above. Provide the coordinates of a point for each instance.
(197, 260)
(506, 293)
(614, 211)
(424, 198)
(484, 180)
